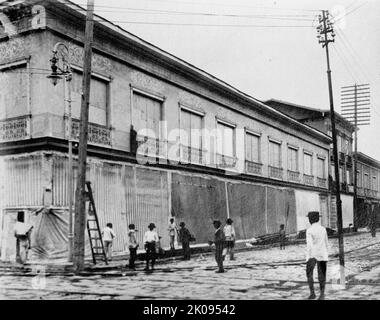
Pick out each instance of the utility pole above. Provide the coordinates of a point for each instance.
(325, 36)
(355, 108)
(80, 196)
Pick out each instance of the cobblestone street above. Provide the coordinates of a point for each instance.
(255, 274)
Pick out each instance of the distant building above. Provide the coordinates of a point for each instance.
(368, 192)
(166, 139)
(320, 120)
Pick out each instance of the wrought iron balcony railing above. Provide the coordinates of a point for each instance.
(275, 172)
(97, 134)
(191, 155)
(349, 161)
(321, 182)
(253, 167)
(360, 192)
(151, 147)
(225, 162)
(293, 176)
(13, 129)
(370, 193)
(308, 179)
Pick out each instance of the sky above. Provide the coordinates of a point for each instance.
(267, 49)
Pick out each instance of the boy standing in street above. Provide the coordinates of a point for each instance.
(108, 236)
(316, 254)
(133, 245)
(219, 241)
(172, 231)
(229, 232)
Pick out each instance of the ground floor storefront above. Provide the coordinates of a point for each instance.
(124, 193)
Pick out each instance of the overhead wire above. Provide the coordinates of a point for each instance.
(352, 4)
(340, 56)
(349, 47)
(348, 58)
(210, 14)
(294, 17)
(213, 25)
(350, 12)
(100, 19)
(352, 52)
(214, 4)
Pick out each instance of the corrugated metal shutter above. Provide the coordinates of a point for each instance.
(123, 194)
(148, 201)
(23, 178)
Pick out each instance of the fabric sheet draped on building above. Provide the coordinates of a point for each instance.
(126, 193)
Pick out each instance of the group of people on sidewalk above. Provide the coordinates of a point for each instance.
(224, 241)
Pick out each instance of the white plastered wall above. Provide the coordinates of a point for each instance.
(307, 201)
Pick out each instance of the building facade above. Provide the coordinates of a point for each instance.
(166, 139)
(320, 120)
(368, 190)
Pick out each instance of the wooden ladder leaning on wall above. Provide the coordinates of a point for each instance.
(93, 228)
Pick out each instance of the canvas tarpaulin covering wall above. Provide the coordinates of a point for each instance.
(123, 194)
(148, 201)
(247, 209)
(281, 210)
(49, 237)
(257, 210)
(198, 201)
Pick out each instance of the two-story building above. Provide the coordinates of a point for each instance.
(166, 139)
(368, 189)
(320, 120)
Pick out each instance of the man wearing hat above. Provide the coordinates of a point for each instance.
(219, 241)
(132, 245)
(316, 254)
(150, 240)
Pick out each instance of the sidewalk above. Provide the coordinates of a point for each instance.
(261, 254)
(257, 273)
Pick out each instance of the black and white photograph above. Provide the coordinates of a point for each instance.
(212, 151)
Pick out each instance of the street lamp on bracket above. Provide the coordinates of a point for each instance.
(57, 72)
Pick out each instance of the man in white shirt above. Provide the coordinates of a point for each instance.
(316, 254)
(150, 240)
(108, 236)
(22, 233)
